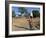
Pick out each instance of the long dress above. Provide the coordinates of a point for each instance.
(30, 21)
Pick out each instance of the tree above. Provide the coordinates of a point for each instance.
(22, 10)
(13, 14)
(36, 13)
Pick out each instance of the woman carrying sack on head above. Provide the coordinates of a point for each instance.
(30, 21)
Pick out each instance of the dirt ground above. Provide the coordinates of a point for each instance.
(20, 24)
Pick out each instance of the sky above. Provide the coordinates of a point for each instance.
(29, 9)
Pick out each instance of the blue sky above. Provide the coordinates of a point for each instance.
(29, 9)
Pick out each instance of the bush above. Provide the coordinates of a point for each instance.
(36, 13)
(13, 14)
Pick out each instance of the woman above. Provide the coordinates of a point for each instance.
(30, 20)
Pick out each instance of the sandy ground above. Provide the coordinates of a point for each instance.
(20, 24)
